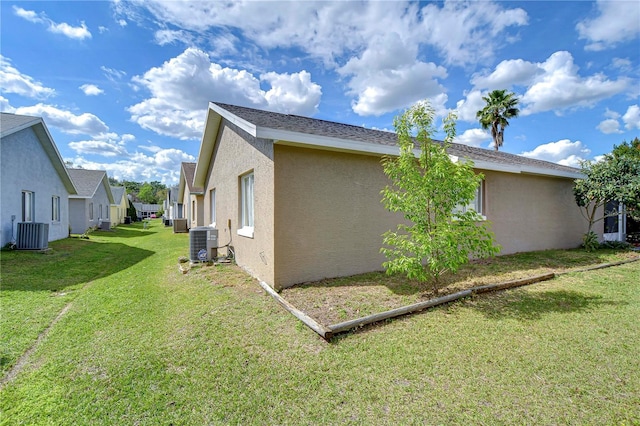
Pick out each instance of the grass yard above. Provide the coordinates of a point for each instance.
(143, 344)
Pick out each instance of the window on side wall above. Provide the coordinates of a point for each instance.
(476, 204)
(246, 205)
(90, 211)
(28, 205)
(55, 209)
(212, 197)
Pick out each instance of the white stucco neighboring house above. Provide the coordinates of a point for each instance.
(91, 206)
(34, 182)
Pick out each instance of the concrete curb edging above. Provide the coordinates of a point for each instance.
(327, 332)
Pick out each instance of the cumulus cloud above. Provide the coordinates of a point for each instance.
(563, 152)
(631, 118)
(106, 149)
(382, 73)
(66, 121)
(79, 32)
(609, 126)
(182, 88)
(616, 22)
(474, 137)
(13, 81)
(91, 90)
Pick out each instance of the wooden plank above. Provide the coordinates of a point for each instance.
(306, 319)
(347, 325)
(514, 283)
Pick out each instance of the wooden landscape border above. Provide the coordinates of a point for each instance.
(327, 332)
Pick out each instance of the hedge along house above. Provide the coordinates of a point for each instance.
(34, 182)
(91, 206)
(299, 198)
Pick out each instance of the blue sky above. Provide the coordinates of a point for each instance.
(124, 86)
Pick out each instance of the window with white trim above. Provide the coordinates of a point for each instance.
(28, 204)
(476, 204)
(212, 199)
(90, 211)
(246, 205)
(55, 209)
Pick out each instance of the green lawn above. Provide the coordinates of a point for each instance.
(144, 344)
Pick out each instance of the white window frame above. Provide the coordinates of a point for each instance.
(212, 202)
(91, 211)
(55, 208)
(476, 204)
(28, 206)
(247, 207)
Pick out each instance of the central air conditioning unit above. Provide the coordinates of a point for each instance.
(105, 225)
(203, 244)
(32, 236)
(179, 225)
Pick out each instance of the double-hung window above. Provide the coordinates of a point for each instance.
(28, 204)
(246, 205)
(90, 211)
(55, 209)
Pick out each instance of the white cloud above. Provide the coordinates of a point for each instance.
(609, 126)
(468, 32)
(5, 106)
(13, 81)
(631, 118)
(562, 152)
(560, 87)
(383, 72)
(507, 74)
(473, 137)
(79, 33)
(468, 107)
(182, 88)
(91, 90)
(105, 149)
(66, 121)
(617, 21)
(113, 74)
(164, 37)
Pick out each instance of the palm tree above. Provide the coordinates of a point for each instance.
(501, 106)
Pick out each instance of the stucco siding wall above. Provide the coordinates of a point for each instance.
(24, 166)
(531, 212)
(78, 215)
(329, 217)
(237, 153)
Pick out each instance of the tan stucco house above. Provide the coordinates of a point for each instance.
(190, 196)
(299, 198)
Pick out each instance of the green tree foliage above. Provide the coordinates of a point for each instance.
(615, 178)
(427, 187)
(146, 194)
(501, 106)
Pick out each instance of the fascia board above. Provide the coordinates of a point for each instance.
(284, 137)
(23, 126)
(211, 128)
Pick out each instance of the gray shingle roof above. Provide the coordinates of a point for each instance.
(86, 181)
(118, 193)
(295, 123)
(189, 170)
(10, 123)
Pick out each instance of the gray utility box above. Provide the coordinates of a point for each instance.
(203, 244)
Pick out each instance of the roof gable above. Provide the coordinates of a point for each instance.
(13, 123)
(88, 181)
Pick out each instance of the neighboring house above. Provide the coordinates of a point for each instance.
(191, 196)
(300, 197)
(120, 205)
(35, 185)
(145, 211)
(170, 205)
(91, 206)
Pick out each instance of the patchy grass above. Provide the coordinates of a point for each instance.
(148, 345)
(335, 300)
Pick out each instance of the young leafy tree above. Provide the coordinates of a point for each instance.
(501, 106)
(614, 178)
(427, 187)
